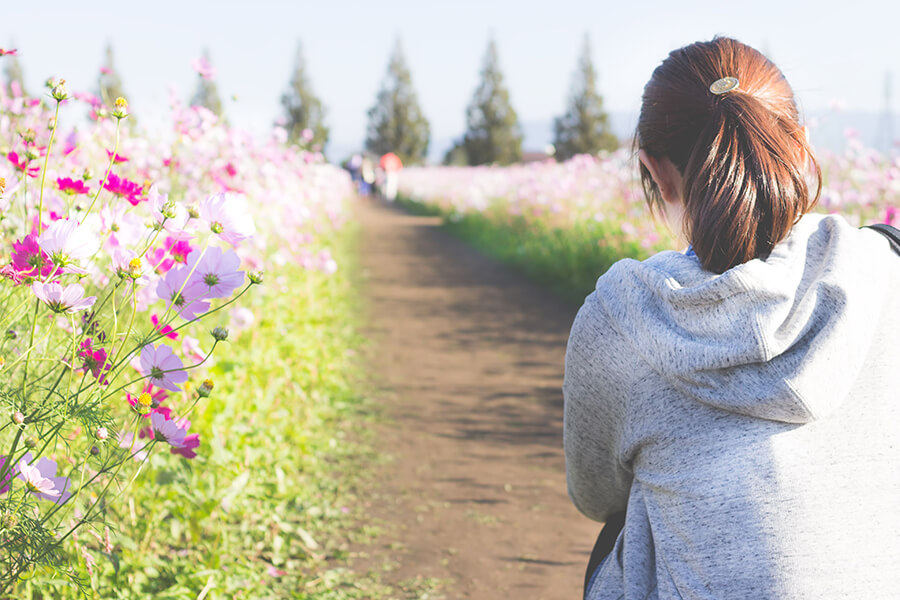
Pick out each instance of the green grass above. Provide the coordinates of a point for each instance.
(270, 507)
(567, 260)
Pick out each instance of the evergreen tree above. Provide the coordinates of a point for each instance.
(396, 121)
(584, 128)
(303, 110)
(493, 134)
(109, 83)
(207, 93)
(13, 72)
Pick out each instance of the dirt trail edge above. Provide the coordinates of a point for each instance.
(469, 358)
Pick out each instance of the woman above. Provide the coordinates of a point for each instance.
(740, 401)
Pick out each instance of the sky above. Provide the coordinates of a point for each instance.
(833, 53)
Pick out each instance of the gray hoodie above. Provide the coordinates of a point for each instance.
(749, 421)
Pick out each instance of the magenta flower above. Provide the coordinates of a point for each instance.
(190, 441)
(118, 159)
(228, 217)
(68, 299)
(122, 188)
(173, 251)
(184, 299)
(22, 165)
(164, 330)
(72, 187)
(95, 361)
(891, 214)
(41, 480)
(27, 255)
(215, 273)
(12, 52)
(163, 367)
(167, 430)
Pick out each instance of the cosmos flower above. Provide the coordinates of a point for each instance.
(167, 430)
(183, 298)
(22, 164)
(165, 370)
(68, 299)
(66, 241)
(123, 188)
(228, 216)
(215, 273)
(27, 255)
(41, 480)
(72, 187)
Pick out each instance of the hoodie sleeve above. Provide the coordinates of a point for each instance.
(595, 409)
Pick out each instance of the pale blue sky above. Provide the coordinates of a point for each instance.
(829, 50)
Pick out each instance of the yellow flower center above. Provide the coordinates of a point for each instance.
(145, 399)
(135, 265)
(121, 102)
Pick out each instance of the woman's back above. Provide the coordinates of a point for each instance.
(750, 421)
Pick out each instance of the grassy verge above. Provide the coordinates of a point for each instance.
(567, 260)
(269, 507)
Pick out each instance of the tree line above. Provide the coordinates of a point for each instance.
(396, 122)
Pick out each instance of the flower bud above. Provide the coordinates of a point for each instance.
(120, 111)
(27, 136)
(31, 441)
(59, 91)
(256, 277)
(95, 450)
(11, 334)
(87, 175)
(216, 227)
(205, 388)
(51, 124)
(102, 433)
(193, 212)
(220, 334)
(18, 418)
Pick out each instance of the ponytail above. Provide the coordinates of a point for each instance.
(741, 154)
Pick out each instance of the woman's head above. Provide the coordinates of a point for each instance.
(737, 160)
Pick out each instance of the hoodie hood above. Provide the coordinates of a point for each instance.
(782, 339)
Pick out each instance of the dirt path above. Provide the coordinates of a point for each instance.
(470, 359)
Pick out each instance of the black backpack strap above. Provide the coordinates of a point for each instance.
(891, 233)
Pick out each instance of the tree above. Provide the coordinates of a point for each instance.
(584, 128)
(493, 134)
(13, 72)
(303, 110)
(207, 93)
(396, 122)
(109, 84)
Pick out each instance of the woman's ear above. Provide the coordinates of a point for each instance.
(666, 176)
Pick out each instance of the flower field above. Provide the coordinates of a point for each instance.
(566, 223)
(176, 358)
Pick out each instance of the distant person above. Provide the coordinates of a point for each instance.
(367, 173)
(734, 409)
(390, 163)
(354, 165)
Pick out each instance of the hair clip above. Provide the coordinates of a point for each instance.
(724, 85)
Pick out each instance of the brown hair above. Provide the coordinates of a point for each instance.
(739, 152)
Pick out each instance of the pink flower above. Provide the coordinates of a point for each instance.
(41, 480)
(12, 52)
(890, 215)
(122, 188)
(68, 299)
(190, 441)
(166, 430)
(203, 68)
(215, 273)
(27, 256)
(65, 240)
(72, 187)
(165, 370)
(105, 70)
(227, 216)
(165, 330)
(22, 165)
(95, 361)
(183, 298)
(118, 159)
